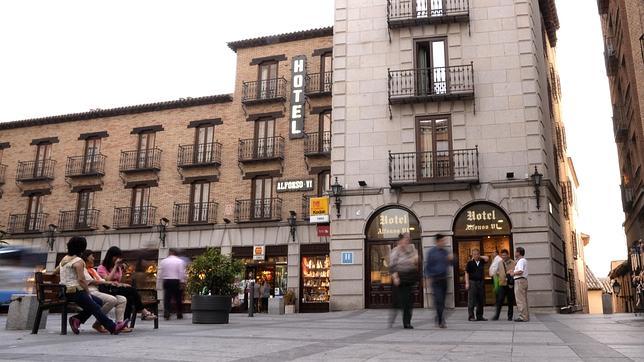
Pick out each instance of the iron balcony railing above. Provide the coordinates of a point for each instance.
(627, 198)
(258, 149)
(140, 216)
(83, 219)
(316, 143)
(258, 210)
(27, 223)
(408, 168)
(417, 12)
(430, 84)
(620, 126)
(140, 160)
(35, 170)
(602, 6)
(267, 90)
(195, 213)
(319, 83)
(202, 154)
(92, 165)
(610, 56)
(3, 172)
(305, 206)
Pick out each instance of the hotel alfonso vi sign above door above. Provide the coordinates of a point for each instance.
(481, 219)
(298, 69)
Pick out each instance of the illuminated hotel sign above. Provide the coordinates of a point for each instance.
(482, 219)
(390, 223)
(298, 68)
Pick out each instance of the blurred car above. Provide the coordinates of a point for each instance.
(17, 267)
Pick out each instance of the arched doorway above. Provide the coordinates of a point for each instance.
(483, 226)
(382, 233)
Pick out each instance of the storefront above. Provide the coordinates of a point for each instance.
(315, 278)
(483, 226)
(268, 263)
(141, 268)
(383, 230)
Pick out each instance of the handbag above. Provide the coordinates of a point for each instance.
(408, 276)
(510, 280)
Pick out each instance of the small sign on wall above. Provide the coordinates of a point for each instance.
(346, 257)
(324, 231)
(319, 210)
(259, 252)
(294, 185)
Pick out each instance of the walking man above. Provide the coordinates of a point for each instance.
(403, 265)
(506, 285)
(172, 273)
(520, 274)
(437, 263)
(474, 277)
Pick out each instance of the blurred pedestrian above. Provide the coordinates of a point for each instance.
(493, 271)
(520, 274)
(437, 263)
(474, 278)
(266, 293)
(506, 285)
(403, 265)
(172, 273)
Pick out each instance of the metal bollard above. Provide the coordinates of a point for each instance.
(251, 300)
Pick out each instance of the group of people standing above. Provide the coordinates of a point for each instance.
(510, 280)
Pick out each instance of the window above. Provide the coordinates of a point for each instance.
(84, 207)
(204, 144)
(264, 137)
(431, 63)
(267, 80)
(43, 153)
(325, 132)
(199, 202)
(262, 193)
(34, 210)
(91, 155)
(326, 72)
(145, 149)
(324, 182)
(140, 205)
(434, 147)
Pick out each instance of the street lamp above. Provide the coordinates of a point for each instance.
(336, 192)
(536, 182)
(292, 223)
(617, 287)
(635, 256)
(163, 225)
(51, 238)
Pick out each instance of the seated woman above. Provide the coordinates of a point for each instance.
(72, 276)
(116, 302)
(112, 269)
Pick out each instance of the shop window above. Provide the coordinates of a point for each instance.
(315, 278)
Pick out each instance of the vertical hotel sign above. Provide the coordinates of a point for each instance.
(298, 68)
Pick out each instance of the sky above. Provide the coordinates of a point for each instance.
(66, 56)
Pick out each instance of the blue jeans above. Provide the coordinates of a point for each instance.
(90, 308)
(439, 290)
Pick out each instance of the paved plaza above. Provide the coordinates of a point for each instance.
(341, 336)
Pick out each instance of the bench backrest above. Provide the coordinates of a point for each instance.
(49, 289)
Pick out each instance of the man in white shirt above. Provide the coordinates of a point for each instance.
(172, 273)
(520, 274)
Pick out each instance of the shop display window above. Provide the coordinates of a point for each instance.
(141, 268)
(315, 279)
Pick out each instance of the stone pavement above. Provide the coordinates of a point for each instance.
(342, 336)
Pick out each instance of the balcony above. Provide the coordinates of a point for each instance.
(627, 198)
(199, 213)
(261, 149)
(85, 219)
(403, 13)
(317, 144)
(140, 160)
(434, 167)
(620, 126)
(35, 170)
(610, 56)
(431, 84)
(85, 166)
(134, 217)
(319, 84)
(264, 91)
(305, 206)
(258, 210)
(3, 172)
(27, 223)
(602, 6)
(199, 155)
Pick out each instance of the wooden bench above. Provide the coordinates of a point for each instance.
(51, 294)
(150, 300)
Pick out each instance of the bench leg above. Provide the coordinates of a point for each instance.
(34, 330)
(156, 313)
(63, 321)
(133, 321)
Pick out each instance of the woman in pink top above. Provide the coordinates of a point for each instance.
(111, 269)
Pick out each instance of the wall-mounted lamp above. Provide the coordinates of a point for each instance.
(362, 183)
(636, 263)
(337, 191)
(106, 227)
(226, 220)
(51, 237)
(536, 182)
(617, 287)
(292, 223)
(163, 225)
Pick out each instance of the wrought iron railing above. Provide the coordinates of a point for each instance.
(138, 160)
(195, 213)
(610, 56)
(627, 197)
(27, 223)
(93, 165)
(35, 170)
(319, 83)
(3, 172)
(83, 219)
(258, 210)
(201, 154)
(423, 83)
(400, 12)
(602, 6)
(305, 206)
(434, 166)
(139, 216)
(256, 149)
(620, 126)
(316, 143)
(264, 90)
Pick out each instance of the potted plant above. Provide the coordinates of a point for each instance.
(211, 282)
(289, 301)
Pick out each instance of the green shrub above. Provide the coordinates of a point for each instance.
(212, 273)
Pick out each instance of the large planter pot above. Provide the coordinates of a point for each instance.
(210, 309)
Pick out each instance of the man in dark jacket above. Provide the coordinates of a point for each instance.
(437, 263)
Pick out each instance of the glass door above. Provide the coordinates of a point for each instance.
(324, 142)
(146, 150)
(140, 206)
(34, 210)
(267, 80)
(326, 72)
(205, 138)
(434, 149)
(262, 193)
(264, 138)
(200, 196)
(92, 150)
(43, 153)
(85, 204)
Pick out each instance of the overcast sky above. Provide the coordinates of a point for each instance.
(72, 56)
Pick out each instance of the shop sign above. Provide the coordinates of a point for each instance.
(319, 210)
(294, 185)
(482, 219)
(324, 231)
(346, 257)
(259, 252)
(298, 68)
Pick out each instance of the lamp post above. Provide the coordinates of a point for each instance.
(336, 192)
(617, 287)
(163, 225)
(635, 257)
(536, 182)
(292, 223)
(51, 237)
